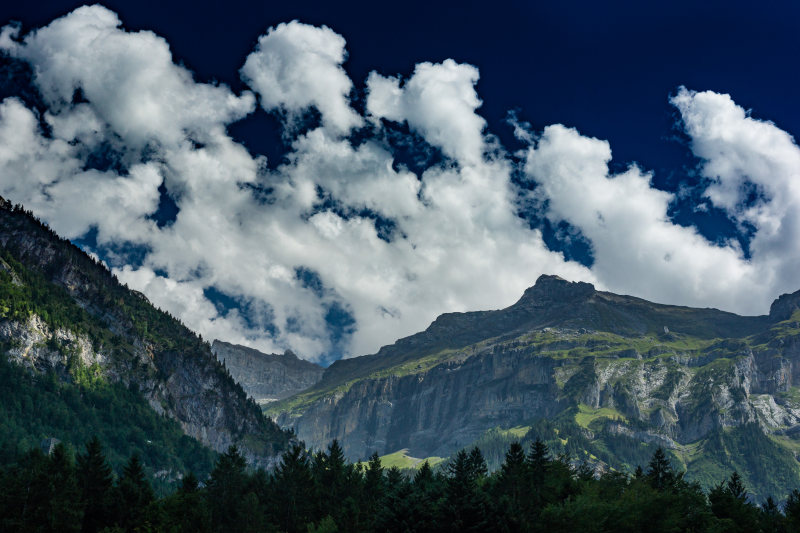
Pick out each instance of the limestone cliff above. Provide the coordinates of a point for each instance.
(266, 377)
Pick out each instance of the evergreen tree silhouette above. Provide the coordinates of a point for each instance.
(95, 483)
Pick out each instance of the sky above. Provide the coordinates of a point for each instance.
(329, 177)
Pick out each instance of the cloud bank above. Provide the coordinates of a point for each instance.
(342, 248)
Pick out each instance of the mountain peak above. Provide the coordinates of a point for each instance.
(784, 306)
(550, 288)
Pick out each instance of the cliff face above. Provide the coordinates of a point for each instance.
(432, 412)
(607, 367)
(66, 313)
(266, 377)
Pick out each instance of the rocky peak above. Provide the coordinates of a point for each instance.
(554, 289)
(784, 306)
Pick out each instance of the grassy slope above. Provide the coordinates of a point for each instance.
(403, 461)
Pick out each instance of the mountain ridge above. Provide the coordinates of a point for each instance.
(609, 372)
(549, 302)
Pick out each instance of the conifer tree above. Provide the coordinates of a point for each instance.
(729, 504)
(477, 464)
(95, 483)
(186, 510)
(511, 488)
(538, 466)
(660, 473)
(792, 510)
(65, 511)
(399, 512)
(425, 498)
(293, 489)
(373, 489)
(134, 495)
(226, 488)
(465, 507)
(424, 478)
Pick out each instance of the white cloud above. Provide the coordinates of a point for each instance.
(129, 78)
(457, 242)
(637, 249)
(296, 66)
(439, 101)
(742, 155)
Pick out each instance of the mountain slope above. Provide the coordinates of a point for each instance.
(266, 377)
(604, 373)
(62, 313)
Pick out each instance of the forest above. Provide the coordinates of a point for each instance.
(323, 492)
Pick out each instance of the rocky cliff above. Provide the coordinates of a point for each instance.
(266, 377)
(606, 372)
(62, 311)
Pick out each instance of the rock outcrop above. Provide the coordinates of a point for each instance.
(267, 377)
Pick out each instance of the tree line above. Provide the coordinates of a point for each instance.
(323, 492)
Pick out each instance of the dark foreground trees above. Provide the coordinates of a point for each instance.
(532, 491)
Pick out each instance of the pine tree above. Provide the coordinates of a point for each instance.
(293, 485)
(226, 488)
(134, 495)
(424, 478)
(65, 511)
(729, 503)
(772, 521)
(373, 489)
(660, 473)
(477, 464)
(511, 487)
(538, 463)
(186, 510)
(398, 512)
(335, 480)
(425, 498)
(96, 484)
(466, 506)
(792, 510)
(373, 477)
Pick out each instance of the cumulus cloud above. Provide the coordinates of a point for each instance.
(296, 66)
(439, 101)
(754, 172)
(341, 249)
(637, 249)
(130, 79)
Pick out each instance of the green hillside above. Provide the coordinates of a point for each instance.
(82, 355)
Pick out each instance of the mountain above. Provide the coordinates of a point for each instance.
(604, 377)
(99, 358)
(266, 377)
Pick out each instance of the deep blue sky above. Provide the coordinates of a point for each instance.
(606, 68)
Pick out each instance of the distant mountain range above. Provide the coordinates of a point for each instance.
(604, 377)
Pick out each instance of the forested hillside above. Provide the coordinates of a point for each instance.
(82, 355)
